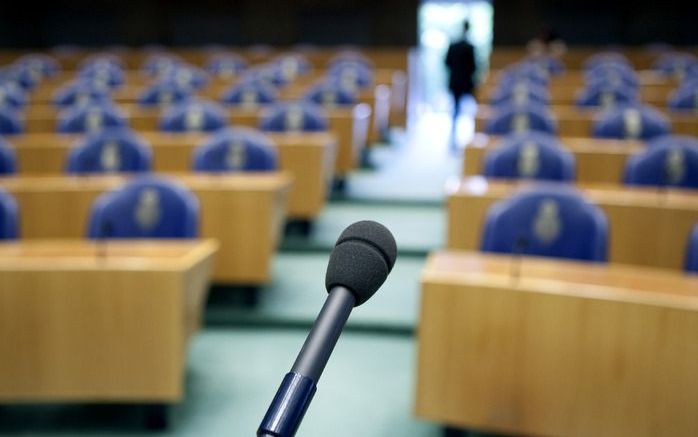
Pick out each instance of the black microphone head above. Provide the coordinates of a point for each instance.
(362, 258)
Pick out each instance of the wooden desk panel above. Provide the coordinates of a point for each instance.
(647, 227)
(597, 160)
(350, 125)
(86, 323)
(245, 213)
(308, 158)
(575, 122)
(567, 349)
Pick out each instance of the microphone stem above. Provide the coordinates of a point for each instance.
(323, 336)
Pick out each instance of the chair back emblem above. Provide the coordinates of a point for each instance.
(148, 209)
(547, 225)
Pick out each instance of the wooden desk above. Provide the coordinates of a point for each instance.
(245, 213)
(597, 160)
(567, 349)
(307, 157)
(350, 125)
(647, 227)
(575, 122)
(80, 326)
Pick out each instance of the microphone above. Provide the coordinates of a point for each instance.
(360, 262)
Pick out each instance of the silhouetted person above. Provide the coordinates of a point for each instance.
(460, 60)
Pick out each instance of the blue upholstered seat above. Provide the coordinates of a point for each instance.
(520, 118)
(8, 160)
(606, 96)
(159, 64)
(691, 264)
(330, 94)
(29, 70)
(91, 117)
(352, 75)
(9, 216)
(81, 92)
(236, 149)
(551, 64)
(250, 93)
(665, 140)
(145, 207)
(675, 64)
(103, 74)
(185, 76)
(605, 58)
(551, 220)
(350, 56)
(520, 93)
(164, 92)
(666, 164)
(684, 99)
(292, 65)
(226, 65)
(193, 116)
(524, 72)
(12, 95)
(113, 150)
(11, 121)
(294, 117)
(531, 155)
(631, 122)
(614, 75)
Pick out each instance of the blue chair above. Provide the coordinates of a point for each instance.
(530, 155)
(520, 118)
(614, 75)
(330, 94)
(160, 63)
(9, 216)
(674, 165)
(352, 75)
(103, 74)
(520, 93)
(526, 72)
(91, 117)
(12, 96)
(29, 70)
(250, 93)
(547, 220)
(101, 60)
(605, 58)
(81, 92)
(551, 64)
(675, 64)
(691, 264)
(145, 207)
(226, 66)
(606, 96)
(109, 151)
(350, 56)
(292, 65)
(185, 76)
(236, 149)
(268, 74)
(294, 117)
(684, 99)
(10, 121)
(193, 116)
(631, 122)
(164, 93)
(8, 161)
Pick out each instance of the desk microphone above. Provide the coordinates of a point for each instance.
(359, 264)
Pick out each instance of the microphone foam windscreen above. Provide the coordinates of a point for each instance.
(362, 258)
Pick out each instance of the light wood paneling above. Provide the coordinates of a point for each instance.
(566, 349)
(83, 321)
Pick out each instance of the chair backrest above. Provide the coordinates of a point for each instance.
(8, 161)
(612, 74)
(145, 207)
(158, 64)
(350, 74)
(691, 264)
(684, 98)
(193, 116)
(330, 94)
(105, 74)
(236, 149)
(521, 118)
(631, 122)
(226, 65)
(185, 75)
(605, 58)
(9, 216)
(294, 117)
(551, 64)
(547, 220)
(530, 156)
(292, 65)
(109, 151)
(30, 70)
(350, 56)
(520, 93)
(672, 139)
(91, 117)
(675, 63)
(10, 121)
(524, 72)
(164, 93)
(12, 96)
(250, 93)
(666, 164)
(606, 96)
(80, 92)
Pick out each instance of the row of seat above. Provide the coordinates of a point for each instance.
(667, 161)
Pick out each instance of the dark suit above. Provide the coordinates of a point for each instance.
(460, 60)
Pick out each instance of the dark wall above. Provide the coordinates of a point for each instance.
(597, 22)
(282, 22)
